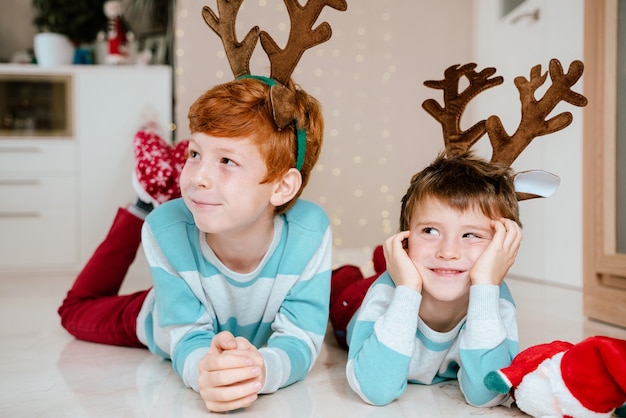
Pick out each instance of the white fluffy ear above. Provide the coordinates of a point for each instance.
(286, 188)
(537, 182)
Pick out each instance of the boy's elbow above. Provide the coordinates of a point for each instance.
(375, 394)
(375, 387)
(377, 400)
(484, 398)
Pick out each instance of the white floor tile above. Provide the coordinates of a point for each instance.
(46, 373)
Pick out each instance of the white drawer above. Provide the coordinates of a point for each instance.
(37, 156)
(38, 224)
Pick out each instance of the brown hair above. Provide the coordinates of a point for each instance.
(463, 182)
(243, 108)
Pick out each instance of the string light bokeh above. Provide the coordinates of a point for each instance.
(368, 77)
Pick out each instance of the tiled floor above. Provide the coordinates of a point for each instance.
(46, 373)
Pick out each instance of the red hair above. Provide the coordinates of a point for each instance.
(243, 108)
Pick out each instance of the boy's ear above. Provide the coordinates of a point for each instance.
(287, 187)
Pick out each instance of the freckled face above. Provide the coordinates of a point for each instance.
(447, 243)
(221, 185)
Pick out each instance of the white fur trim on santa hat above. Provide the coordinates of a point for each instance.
(566, 402)
(534, 395)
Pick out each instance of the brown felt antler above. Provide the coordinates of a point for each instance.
(302, 36)
(457, 141)
(533, 123)
(238, 53)
(534, 112)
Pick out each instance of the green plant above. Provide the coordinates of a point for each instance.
(79, 20)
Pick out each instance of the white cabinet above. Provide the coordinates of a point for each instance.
(60, 191)
(38, 210)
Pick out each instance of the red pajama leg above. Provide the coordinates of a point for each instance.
(93, 310)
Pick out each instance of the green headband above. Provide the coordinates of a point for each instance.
(300, 133)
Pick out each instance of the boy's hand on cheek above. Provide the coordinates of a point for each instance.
(400, 267)
(231, 373)
(494, 263)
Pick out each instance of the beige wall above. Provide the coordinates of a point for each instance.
(368, 78)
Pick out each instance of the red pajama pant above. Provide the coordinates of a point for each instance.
(93, 310)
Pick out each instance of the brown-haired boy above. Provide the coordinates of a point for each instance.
(441, 310)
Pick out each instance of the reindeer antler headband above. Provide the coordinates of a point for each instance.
(506, 148)
(283, 61)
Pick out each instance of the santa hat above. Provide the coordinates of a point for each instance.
(526, 362)
(594, 372)
(587, 379)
